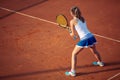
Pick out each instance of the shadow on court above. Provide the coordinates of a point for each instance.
(24, 8)
(63, 69)
(93, 72)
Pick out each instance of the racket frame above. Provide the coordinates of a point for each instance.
(64, 26)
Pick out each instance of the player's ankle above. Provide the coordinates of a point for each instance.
(72, 70)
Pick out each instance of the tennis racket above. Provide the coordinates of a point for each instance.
(63, 22)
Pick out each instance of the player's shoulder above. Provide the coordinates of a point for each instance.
(73, 21)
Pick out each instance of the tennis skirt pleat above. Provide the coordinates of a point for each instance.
(85, 43)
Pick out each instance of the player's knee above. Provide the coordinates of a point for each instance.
(74, 54)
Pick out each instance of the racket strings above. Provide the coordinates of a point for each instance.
(62, 21)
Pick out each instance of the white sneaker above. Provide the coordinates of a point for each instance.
(98, 64)
(70, 73)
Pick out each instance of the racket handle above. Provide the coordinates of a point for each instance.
(75, 37)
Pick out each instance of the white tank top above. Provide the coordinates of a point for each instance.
(81, 29)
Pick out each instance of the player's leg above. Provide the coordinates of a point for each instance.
(97, 56)
(76, 50)
(95, 52)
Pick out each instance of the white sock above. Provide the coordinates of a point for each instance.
(72, 70)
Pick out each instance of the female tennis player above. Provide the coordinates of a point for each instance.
(87, 39)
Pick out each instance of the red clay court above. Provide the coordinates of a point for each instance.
(33, 47)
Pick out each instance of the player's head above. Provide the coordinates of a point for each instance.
(75, 12)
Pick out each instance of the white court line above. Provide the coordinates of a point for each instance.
(33, 17)
(107, 38)
(114, 76)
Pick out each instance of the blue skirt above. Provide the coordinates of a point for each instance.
(88, 41)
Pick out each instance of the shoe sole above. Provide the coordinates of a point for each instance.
(67, 74)
(95, 63)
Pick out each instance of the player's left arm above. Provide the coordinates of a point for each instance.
(72, 28)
